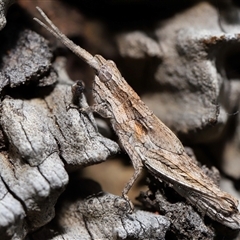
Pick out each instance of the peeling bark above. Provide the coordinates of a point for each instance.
(41, 134)
(102, 216)
(26, 59)
(186, 68)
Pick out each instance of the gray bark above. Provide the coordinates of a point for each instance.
(184, 68)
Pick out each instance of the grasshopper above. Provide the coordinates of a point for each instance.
(147, 140)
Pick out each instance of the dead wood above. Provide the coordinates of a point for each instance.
(183, 62)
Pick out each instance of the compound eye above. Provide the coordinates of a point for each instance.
(105, 74)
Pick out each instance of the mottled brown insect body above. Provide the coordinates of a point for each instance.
(148, 142)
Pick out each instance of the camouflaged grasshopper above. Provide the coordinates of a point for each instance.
(148, 142)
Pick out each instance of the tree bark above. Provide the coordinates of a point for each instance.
(182, 60)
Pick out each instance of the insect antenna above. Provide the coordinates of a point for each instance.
(80, 52)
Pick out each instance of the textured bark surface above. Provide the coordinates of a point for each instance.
(4, 5)
(28, 59)
(181, 57)
(40, 134)
(102, 216)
